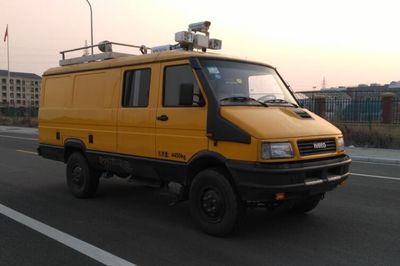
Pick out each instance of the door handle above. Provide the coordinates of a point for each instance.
(162, 118)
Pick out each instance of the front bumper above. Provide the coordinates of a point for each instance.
(261, 181)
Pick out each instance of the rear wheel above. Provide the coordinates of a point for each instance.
(214, 204)
(307, 204)
(82, 181)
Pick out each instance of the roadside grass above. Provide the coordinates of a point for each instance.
(19, 121)
(371, 136)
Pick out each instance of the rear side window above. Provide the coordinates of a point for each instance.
(136, 88)
(177, 78)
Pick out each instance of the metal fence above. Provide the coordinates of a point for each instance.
(353, 107)
(348, 94)
(336, 106)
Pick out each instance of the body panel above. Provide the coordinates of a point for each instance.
(91, 112)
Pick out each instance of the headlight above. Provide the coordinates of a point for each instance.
(276, 150)
(340, 144)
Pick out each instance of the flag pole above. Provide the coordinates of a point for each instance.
(8, 66)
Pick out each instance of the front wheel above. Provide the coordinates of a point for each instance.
(214, 204)
(82, 181)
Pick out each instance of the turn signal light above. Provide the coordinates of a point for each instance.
(280, 196)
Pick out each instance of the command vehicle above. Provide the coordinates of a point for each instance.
(222, 132)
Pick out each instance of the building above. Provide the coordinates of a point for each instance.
(394, 85)
(24, 89)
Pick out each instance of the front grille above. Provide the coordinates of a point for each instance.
(317, 146)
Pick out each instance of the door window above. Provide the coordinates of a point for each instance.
(136, 88)
(179, 85)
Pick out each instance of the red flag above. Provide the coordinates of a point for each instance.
(6, 34)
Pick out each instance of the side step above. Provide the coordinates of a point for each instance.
(176, 191)
(171, 190)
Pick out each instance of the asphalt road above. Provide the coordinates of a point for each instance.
(356, 224)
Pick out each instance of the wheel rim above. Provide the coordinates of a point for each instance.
(212, 204)
(77, 176)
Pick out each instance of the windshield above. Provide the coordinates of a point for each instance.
(237, 83)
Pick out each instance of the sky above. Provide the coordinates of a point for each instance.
(348, 42)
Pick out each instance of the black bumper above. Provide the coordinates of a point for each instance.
(260, 182)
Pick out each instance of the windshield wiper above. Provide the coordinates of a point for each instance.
(243, 99)
(280, 101)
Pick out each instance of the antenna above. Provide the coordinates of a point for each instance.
(85, 51)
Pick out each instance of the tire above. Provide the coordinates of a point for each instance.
(306, 205)
(82, 181)
(214, 204)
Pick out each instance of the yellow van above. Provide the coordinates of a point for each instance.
(222, 132)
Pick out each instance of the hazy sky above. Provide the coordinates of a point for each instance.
(347, 41)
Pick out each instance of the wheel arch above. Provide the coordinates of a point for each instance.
(72, 145)
(204, 160)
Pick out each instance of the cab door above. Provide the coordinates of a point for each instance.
(181, 113)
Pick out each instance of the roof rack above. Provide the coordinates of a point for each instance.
(196, 37)
(105, 47)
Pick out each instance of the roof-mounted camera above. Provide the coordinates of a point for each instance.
(196, 37)
(200, 26)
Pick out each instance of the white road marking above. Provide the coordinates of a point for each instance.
(13, 137)
(377, 176)
(29, 152)
(390, 164)
(70, 241)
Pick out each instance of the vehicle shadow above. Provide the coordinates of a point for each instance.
(130, 203)
(138, 199)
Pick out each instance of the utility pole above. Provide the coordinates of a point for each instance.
(91, 25)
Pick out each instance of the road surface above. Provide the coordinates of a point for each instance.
(128, 224)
